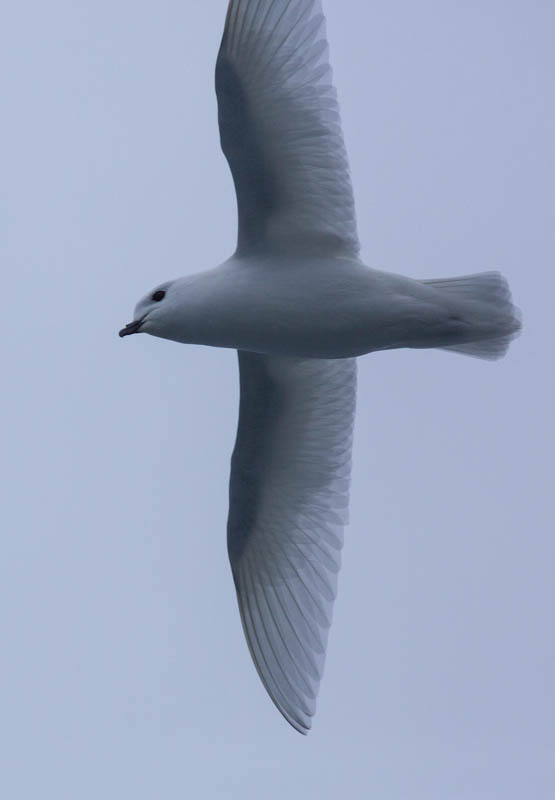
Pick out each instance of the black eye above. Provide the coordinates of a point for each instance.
(158, 296)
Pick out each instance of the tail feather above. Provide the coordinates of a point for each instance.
(488, 349)
(487, 298)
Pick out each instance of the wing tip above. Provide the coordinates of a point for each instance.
(298, 728)
(302, 727)
(302, 721)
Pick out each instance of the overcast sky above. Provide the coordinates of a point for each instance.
(124, 671)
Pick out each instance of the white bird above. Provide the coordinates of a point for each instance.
(298, 304)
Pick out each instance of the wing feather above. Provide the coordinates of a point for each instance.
(280, 129)
(288, 506)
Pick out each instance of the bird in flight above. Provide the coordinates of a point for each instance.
(299, 306)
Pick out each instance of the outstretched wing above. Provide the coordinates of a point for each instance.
(289, 495)
(281, 131)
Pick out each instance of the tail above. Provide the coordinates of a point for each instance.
(486, 298)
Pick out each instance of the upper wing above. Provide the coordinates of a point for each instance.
(289, 494)
(281, 131)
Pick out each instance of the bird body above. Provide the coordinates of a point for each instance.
(298, 305)
(318, 307)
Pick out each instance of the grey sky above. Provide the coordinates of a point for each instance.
(124, 669)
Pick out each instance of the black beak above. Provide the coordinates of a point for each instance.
(132, 327)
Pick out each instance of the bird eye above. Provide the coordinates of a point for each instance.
(158, 296)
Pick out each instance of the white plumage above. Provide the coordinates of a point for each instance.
(289, 497)
(280, 129)
(297, 303)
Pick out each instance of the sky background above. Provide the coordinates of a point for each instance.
(123, 671)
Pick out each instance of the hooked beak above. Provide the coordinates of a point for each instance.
(132, 327)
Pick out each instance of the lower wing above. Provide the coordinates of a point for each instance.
(289, 494)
